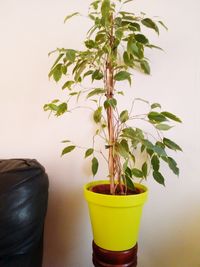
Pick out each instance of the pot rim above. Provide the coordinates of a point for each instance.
(115, 200)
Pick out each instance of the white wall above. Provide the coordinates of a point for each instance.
(170, 232)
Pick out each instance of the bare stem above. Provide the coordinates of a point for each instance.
(109, 86)
(80, 107)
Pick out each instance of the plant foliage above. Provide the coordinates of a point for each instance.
(115, 46)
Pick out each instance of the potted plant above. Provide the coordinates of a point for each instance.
(115, 45)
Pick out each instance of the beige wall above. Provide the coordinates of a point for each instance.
(28, 31)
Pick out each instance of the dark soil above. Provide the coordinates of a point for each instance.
(105, 189)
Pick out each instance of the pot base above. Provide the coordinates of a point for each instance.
(106, 258)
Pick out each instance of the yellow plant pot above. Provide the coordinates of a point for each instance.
(115, 220)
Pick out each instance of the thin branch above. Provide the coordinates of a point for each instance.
(103, 156)
(81, 107)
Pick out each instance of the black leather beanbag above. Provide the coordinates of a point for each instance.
(23, 205)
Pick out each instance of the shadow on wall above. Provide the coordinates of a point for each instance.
(180, 247)
(62, 227)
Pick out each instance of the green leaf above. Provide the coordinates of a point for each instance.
(149, 152)
(164, 26)
(89, 72)
(127, 1)
(139, 133)
(97, 115)
(159, 151)
(61, 109)
(137, 173)
(156, 117)
(127, 59)
(122, 75)
(95, 4)
(105, 9)
(100, 38)
(136, 136)
(160, 144)
(119, 33)
(51, 107)
(74, 93)
(173, 165)
(93, 28)
(145, 67)
(120, 93)
(56, 72)
(149, 23)
(124, 143)
(118, 21)
(135, 26)
(129, 133)
(154, 46)
(158, 177)
(125, 166)
(155, 163)
(163, 127)
(155, 105)
(151, 148)
(68, 149)
(148, 144)
(140, 50)
(96, 91)
(90, 44)
(141, 38)
(64, 69)
(80, 70)
(128, 182)
(97, 75)
(70, 55)
(55, 101)
(132, 156)
(91, 16)
(95, 165)
(68, 85)
(124, 116)
(78, 95)
(123, 149)
(70, 16)
(171, 116)
(111, 102)
(142, 148)
(65, 141)
(127, 170)
(57, 60)
(172, 145)
(128, 17)
(144, 169)
(132, 48)
(89, 152)
(124, 13)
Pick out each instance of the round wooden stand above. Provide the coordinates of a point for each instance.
(105, 258)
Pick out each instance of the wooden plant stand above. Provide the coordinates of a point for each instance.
(105, 258)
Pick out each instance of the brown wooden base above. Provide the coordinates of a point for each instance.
(106, 258)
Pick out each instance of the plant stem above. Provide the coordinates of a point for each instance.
(109, 84)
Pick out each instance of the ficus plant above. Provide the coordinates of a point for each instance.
(115, 46)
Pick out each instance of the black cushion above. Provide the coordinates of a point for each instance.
(23, 204)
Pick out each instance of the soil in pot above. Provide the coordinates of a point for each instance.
(105, 189)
